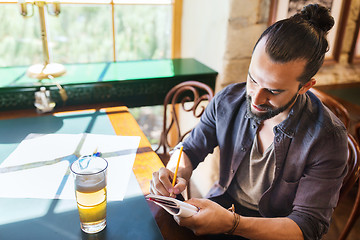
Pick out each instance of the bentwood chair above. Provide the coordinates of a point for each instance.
(353, 164)
(355, 213)
(190, 95)
(357, 132)
(349, 181)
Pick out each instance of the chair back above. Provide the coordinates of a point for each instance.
(353, 148)
(337, 108)
(349, 181)
(357, 132)
(353, 166)
(189, 91)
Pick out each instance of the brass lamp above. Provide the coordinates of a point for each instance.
(43, 71)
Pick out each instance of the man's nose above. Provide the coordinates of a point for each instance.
(259, 97)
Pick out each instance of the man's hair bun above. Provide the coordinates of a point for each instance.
(302, 36)
(318, 16)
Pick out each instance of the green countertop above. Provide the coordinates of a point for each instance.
(132, 83)
(112, 71)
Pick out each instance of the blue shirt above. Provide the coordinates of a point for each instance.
(310, 151)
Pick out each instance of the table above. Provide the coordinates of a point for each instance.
(133, 83)
(132, 218)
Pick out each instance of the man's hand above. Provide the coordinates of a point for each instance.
(211, 218)
(214, 219)
(161, 183)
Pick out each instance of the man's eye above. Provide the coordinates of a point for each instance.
(274, 92)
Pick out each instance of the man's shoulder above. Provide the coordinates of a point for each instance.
(229, 101)
(232, 92)
(323, 118)
(234, 87)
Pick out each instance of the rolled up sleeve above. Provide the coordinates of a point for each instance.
(318, 190)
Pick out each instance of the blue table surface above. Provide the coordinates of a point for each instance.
(58, 219)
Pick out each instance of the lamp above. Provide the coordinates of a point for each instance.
(43, 71)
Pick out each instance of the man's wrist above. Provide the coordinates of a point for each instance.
(236, 221)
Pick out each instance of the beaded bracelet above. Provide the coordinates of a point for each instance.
(236, 220)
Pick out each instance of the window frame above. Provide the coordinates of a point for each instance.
(175, 26)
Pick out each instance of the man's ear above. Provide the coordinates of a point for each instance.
(307, 86)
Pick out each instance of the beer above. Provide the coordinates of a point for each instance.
(90, 192)
(92, 206)
(91, 199)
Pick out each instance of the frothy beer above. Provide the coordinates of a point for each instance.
(90, 191)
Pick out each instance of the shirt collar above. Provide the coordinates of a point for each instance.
(288, 126)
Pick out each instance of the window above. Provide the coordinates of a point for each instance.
(89, 31)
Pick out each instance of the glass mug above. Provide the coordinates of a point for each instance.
(89, 174)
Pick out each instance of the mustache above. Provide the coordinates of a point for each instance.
(262, 106)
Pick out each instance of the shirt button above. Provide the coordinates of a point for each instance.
(232, 171)
(243, 149)
(254, 126)
(277, 139)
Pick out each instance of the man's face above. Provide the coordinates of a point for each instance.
(268, 111)
(272, 88)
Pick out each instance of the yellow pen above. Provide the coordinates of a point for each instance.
(177, 167)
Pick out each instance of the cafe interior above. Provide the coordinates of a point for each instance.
(148, 68)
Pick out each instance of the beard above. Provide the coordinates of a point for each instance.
(270, 111)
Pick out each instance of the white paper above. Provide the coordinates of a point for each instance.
(39, 167)
(173, 206)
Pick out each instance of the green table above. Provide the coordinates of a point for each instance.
(132, 83)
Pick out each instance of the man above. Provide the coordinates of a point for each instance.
(282, 153)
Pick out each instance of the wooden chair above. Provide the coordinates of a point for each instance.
(349, 181)
(189, 91)
(353, 164)
(357, 132)
(353, 158)
(337, 108)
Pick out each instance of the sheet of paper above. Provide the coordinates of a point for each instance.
(39, 167)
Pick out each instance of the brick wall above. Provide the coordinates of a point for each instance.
(248, 19)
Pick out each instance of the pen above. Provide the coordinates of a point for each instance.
(177, 167)
(96, 153)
